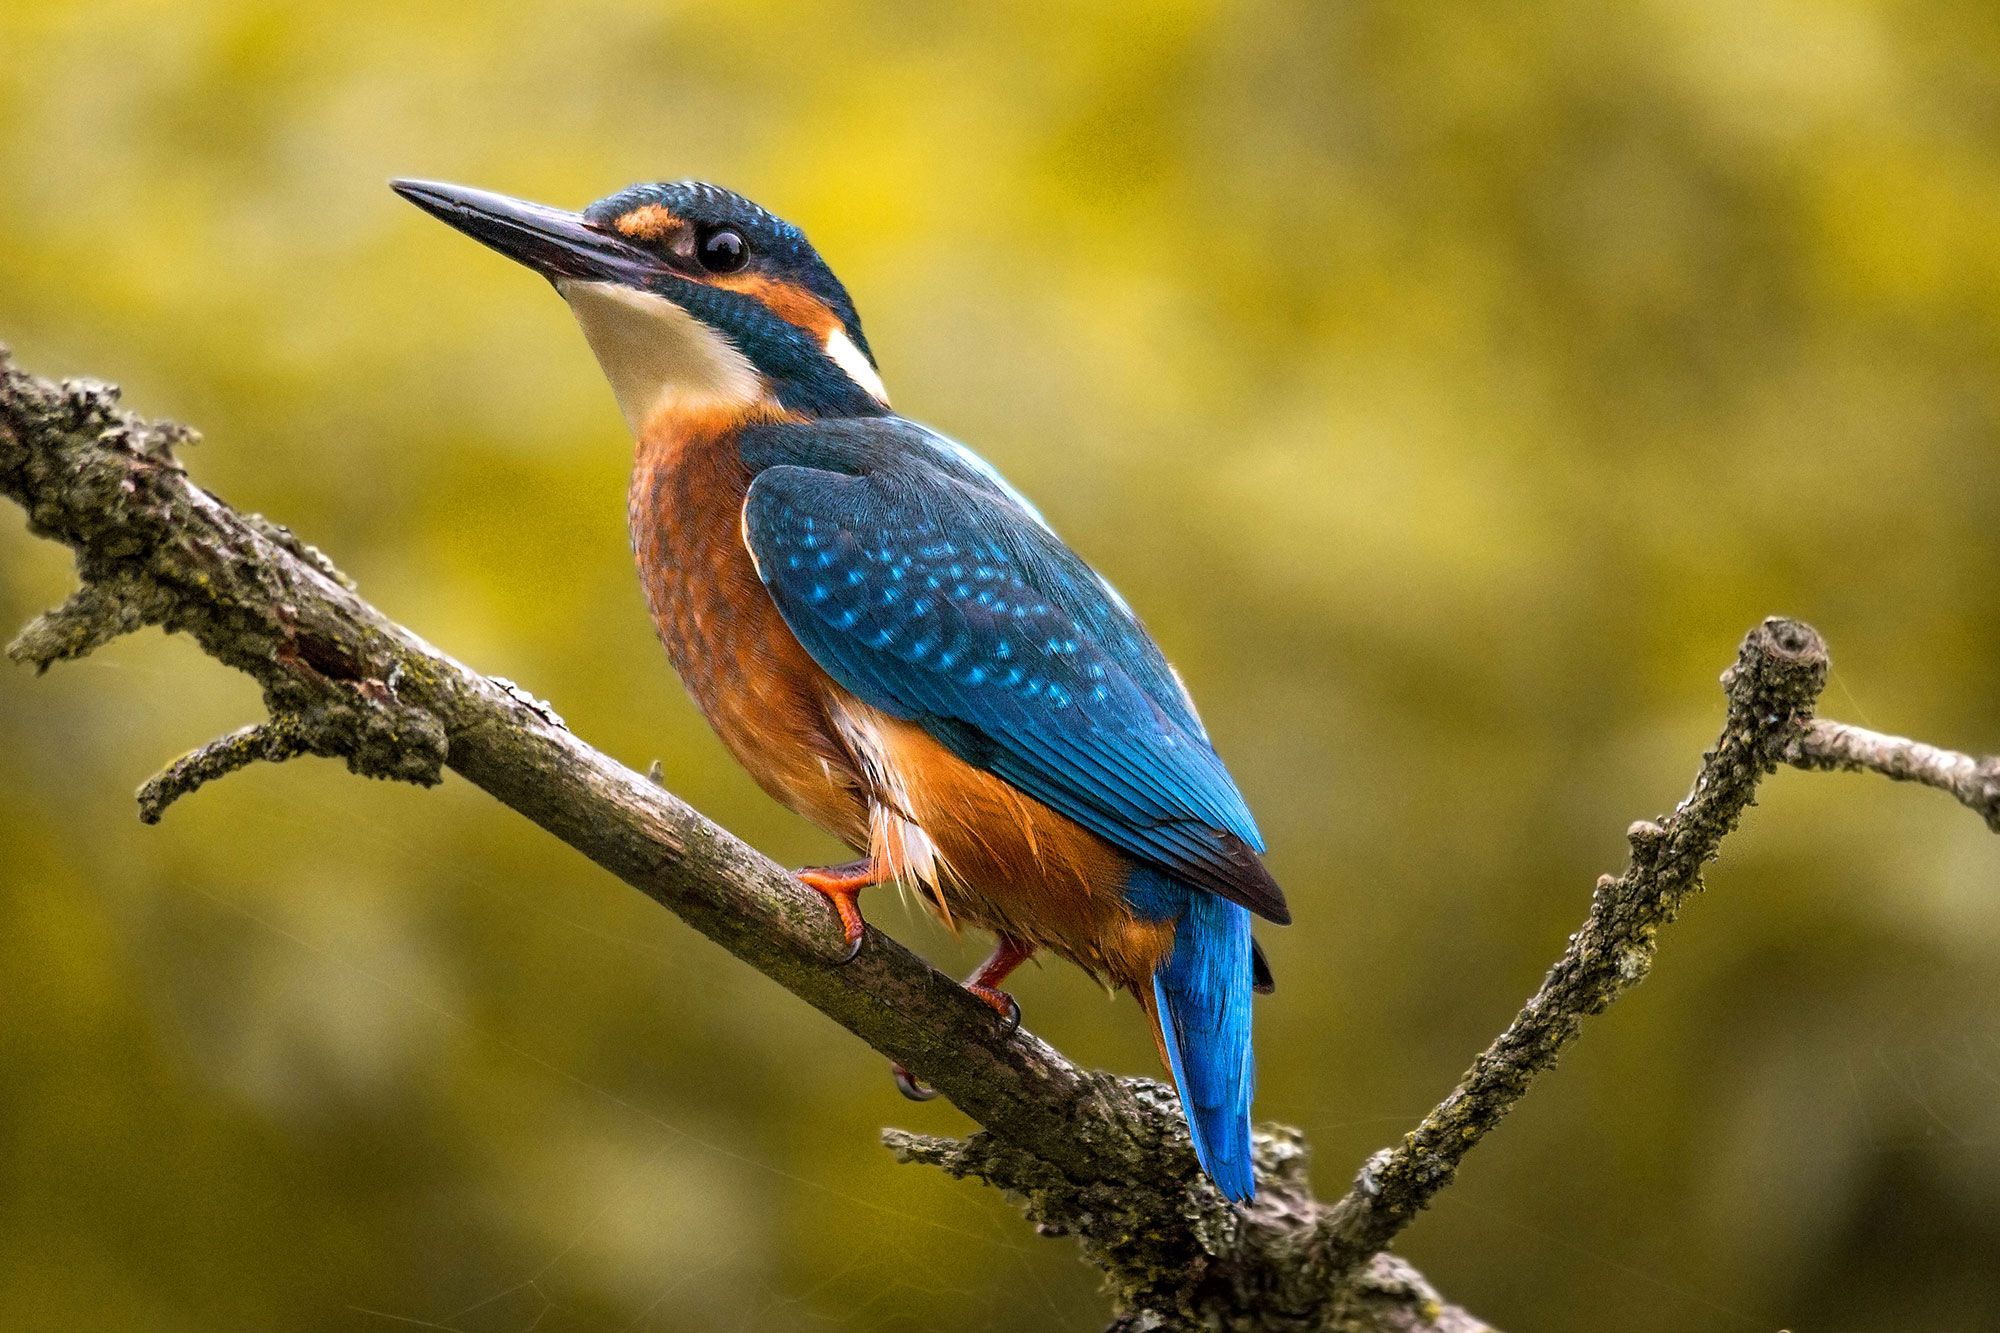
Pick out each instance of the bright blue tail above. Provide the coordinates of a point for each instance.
(1203, 998)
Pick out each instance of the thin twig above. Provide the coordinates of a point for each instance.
(1828, 745)
(273, 742)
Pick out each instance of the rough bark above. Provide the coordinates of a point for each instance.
(1086, 1154)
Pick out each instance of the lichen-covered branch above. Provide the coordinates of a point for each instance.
(340, 680)
(1778, 675)
(273, 742)
(1836, 745)
(95, 614)
(1100, 1158)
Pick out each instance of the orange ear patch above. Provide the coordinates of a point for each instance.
(788, 301)
(648, 222)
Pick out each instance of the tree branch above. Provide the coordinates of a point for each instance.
(339, 679)
(1828, 745)
(1086, 1154)
(1778, 675)
(273, 742)
(1110, 1155)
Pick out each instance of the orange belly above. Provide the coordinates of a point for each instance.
(759, 690)
(989, 854)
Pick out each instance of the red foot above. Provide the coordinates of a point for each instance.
(1002, 1004)
(843, 885)
(1008, 954)
(906, 1083)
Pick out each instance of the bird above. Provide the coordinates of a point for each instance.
(895, 643)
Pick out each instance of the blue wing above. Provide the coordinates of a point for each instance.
(925, 586)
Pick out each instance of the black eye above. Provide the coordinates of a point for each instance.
(723, 250)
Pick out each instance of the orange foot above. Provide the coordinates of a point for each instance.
(843, 885)
(1008, 954)
(906, 1083)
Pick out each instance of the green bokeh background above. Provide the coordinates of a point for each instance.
(1448, 385)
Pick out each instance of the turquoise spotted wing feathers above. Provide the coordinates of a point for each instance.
(924, 586)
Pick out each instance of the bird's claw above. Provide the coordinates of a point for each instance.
(842, 886)
(906, 1083)
(1003, 1004)
(852, 928)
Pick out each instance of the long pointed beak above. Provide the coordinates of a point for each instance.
(553, 243)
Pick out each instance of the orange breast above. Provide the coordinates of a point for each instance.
(759, 690)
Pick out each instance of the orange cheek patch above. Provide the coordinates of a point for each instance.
(648, 222)
(795, 305)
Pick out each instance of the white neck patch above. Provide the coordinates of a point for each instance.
(841, 350)
(657, 356)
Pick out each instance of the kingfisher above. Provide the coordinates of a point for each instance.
(895, 643)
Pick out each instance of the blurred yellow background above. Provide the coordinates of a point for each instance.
(1448, 385)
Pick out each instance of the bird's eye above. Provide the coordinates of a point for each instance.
(723, 250)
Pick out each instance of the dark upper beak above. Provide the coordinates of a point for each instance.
(553, 243)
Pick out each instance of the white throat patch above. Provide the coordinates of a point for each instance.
(658, 356)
